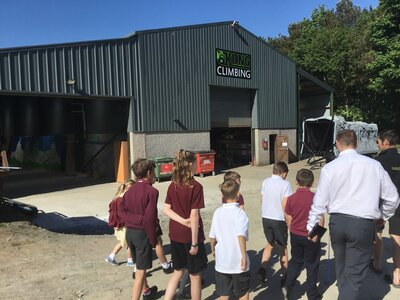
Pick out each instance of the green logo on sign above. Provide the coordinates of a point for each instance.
(233, 64)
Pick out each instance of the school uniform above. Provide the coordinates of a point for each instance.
(349, 190)
(273, 190)
(183, 198)
(138, 209)
(228, 223)
(303, 251)
(115, 221)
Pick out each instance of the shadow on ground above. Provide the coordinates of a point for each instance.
(60, 223)
(32, 182)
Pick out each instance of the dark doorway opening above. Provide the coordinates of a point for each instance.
(231, 126)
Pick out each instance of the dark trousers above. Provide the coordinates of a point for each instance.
(352, 243)
(304, 253)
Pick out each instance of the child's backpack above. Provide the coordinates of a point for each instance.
(114, 219)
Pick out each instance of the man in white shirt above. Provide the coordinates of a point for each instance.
(228, 236)
(275, 190)
(349, 190)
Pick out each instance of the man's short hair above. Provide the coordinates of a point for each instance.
(347, 137)
(231, 175)
(390, 135)
(305, 177)
(141, 166)
(279, 168)
(229, 189)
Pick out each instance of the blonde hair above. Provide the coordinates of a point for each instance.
(123, 187)
(181, 171)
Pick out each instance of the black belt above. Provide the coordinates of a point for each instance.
(350, 216)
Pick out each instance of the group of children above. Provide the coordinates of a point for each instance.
(282, 209)
(134, 215)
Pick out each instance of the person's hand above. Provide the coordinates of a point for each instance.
(186, 223)
(314, 239)
(213, 253)
(194, 250)
(243, 263)
(379, 222)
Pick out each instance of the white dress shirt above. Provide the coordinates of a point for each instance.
(352, 184)
(228, 223)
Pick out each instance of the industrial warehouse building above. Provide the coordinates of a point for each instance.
(210, 86)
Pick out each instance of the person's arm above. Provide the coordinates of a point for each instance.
(213, 242)
(320, 202)
(389, 196)
(125, 214)
(242, 245)
(288, 217)
(194, 222)
(150, 218)
(174, 216)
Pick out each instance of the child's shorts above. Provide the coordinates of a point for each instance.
(182, 259)
(140, 247)
(275, 231)
(120, 234)
(238, 284)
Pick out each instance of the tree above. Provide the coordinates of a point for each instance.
(385, 65)
(333, 45)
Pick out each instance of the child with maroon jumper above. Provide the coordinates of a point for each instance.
(235, 176)
(115, 221)
(304, 251)
(138, 210)
(182, 205)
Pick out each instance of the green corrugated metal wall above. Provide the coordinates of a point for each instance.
(166, 73)
(178, 66)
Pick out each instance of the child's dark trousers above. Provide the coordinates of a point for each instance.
(304, 253)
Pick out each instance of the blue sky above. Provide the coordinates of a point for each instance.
(35, 22)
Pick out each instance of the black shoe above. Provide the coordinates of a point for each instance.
(168, 270)
(152, 294)
(261, 274)
(283, 281)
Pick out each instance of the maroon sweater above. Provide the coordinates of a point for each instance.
(138, 209)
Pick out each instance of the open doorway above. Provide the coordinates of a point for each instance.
(231, 123)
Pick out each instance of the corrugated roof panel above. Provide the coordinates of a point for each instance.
(99, 69)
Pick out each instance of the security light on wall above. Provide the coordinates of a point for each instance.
(71, 81)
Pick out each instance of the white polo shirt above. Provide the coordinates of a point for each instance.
(273, 190)
(228, 223)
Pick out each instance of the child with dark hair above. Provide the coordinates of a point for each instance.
(274, 192)
(232, 175)
(182, 205)
(139, 212)
(228, 236)
(304, 252)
